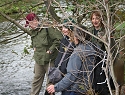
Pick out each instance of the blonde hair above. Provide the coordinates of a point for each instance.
(71, 36)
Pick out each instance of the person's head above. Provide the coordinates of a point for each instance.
(68, 23)
(80, 35)
(32, 20)
(96, 19)
(67, 27)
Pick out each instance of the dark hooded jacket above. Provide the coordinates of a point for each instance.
(63, 47)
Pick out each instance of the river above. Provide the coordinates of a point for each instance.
(16, 67)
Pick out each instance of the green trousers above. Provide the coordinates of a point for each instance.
(39, 71)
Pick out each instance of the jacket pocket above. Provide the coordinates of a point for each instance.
(46, 57)
(38, 58)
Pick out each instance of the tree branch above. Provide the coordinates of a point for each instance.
(11, 38)
(51, 10)
(16, 23)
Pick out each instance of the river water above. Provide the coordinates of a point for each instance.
(16, 67)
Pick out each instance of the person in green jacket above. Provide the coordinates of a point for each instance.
(45, 42)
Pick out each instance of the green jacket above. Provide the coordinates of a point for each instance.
(100, 34)
(43, 40)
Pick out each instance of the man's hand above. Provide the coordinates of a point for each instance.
(51, 89)
(49, 52)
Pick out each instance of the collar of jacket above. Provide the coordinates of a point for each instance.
(66, 37)
(35, 31)
(101, 29)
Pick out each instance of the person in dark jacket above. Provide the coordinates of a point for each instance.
(65, 41)
(66, 46)
(79, 69)
(98, 29)
(44, 42)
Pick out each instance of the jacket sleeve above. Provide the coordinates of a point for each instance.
(56, 37)
(74, 65)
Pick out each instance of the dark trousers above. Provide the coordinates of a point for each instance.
(75, 93)
(65, 92)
